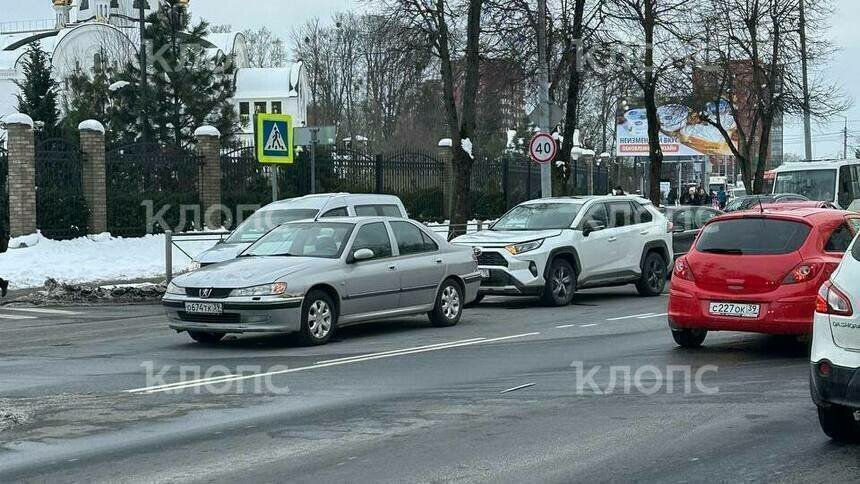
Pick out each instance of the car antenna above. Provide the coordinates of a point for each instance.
(760, 206)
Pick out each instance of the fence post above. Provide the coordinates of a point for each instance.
(95, 193)
(209, 151)
(506, 179)
(446, 155)
(380, 173)
(21, 178)
(168, 255)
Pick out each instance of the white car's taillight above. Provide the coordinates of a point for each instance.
(831, 300)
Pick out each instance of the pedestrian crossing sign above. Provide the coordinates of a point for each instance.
(274, 138)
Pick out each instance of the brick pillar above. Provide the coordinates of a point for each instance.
(209, 150)
(446, 155)
(22, 175)
(95, 191)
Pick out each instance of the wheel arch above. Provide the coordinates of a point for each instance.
(569, 254)
(330, 290)
(659, 247)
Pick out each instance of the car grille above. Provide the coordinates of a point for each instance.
(216, 293)
(227, 318)
(492, 259)
(498, 279)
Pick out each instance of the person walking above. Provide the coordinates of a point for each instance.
(702, 198)
(4, 246)
(722, 198)
(672, 197)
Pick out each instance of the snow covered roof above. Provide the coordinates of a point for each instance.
(253, 83)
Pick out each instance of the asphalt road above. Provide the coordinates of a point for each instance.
(514, 393)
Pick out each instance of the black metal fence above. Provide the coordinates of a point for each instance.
(61, 210)
(4, 192)
(151, 188)
(244, 183)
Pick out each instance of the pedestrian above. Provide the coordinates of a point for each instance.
(4, 246)
(722, 198)
(672, 197)
(688, 197)
(618, 191)
(702, 197)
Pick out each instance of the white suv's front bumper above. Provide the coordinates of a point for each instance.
(510, 274)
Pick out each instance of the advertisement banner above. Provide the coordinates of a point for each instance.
(682, 133)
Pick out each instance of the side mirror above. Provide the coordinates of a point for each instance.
(362, 254)
(591, 226)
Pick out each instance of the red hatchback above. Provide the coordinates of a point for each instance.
(757, 272)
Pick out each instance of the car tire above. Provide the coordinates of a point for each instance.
(319, 318)
(689, 338)
(560, 284)
(839, 424)
(449, 305)
(206, 338)
(653, 280)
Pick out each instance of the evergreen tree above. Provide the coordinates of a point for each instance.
(38, 90)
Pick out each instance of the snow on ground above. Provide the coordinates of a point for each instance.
(91, 259)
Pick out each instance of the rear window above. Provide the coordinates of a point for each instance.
(753, 236)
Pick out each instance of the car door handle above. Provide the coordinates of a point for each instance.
(645, 232)
(612, 239)
(392, 268)
(438, 261)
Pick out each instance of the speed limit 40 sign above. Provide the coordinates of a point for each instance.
(543, 148)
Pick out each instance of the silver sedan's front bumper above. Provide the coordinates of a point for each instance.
(268, 315)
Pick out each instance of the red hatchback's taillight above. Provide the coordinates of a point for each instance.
(804, 272)
(682, 270)
(831, 300)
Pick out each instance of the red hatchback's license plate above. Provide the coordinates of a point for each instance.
(736, 310)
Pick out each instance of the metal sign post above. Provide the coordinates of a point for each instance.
(314, 140)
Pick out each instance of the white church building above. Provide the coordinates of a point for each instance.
(82, 32)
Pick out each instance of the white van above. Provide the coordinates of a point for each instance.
(837, 182)
(316, 206)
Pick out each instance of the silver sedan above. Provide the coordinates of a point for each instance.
(313, 277)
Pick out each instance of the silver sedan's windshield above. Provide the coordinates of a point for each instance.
(264, 220)
(324, 240)
(539, 216)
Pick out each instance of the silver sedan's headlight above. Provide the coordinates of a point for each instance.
(516, 249)
(275, 289)
(175, 290)
(192, 266)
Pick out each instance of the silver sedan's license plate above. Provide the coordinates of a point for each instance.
(485, 273)
(735, 309)
(203, 308)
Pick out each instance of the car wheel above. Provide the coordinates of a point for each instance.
(449, 305)
(476, 301)
(839, 423)
(206, 338)
(319, 318)
(653, 279)
(560, 284)
(689, 338)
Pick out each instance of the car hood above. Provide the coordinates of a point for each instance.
(504, 237)
(221, 252)
(253, 271)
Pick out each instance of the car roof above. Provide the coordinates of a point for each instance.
(810, 215)
(588, 198)
(321, 200)
(814, 165)
(352, 220)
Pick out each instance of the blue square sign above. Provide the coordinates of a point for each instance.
(274, 138)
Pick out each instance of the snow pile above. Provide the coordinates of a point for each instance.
(67, 294)
(467, 147)
(33, 259)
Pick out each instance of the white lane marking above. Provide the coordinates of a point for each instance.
(653, 316)
(15, 316)
(509, 390)
(565, 326)
(587, 325)
(231, 378)
(42, 311)
(396, 351)
(630, 317)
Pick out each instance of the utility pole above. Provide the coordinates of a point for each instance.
(144, 98)
(807, 123)
(543, 96)
(845, 140)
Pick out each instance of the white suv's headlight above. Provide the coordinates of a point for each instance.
(275, 289)
(175, 290)
(516, 249)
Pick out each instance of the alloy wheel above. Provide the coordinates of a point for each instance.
(319, 319)
(562, 281)
(450, 302)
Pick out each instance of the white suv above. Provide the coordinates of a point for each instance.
(835, 378)
(552, 247)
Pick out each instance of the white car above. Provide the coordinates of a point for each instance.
(835, 378)
(552, 247)
(318, 206)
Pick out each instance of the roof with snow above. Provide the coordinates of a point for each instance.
(269, 82)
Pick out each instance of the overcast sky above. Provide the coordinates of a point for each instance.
(282, 15)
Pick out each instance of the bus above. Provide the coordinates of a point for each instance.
(837, 182)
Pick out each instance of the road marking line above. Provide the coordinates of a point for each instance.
(653, 316)
(15, 317)
(587, 325)
(41, 311)
(629, 317)
(396, 351)
(509, 390)
(232, 378)
(565, 326)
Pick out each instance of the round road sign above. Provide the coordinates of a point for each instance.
(543, 148)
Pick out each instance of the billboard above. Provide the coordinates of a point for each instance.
(682, 132)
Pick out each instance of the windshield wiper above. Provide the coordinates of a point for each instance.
(723, 251)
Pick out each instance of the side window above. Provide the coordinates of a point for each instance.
(374, 237)
(336, 212)
(839, 240)
(682, 219)
(596, 216)
(390, 211)
(643, 215)
(855, 225)
(620, 214)
(410, 239)
(365, 210)
(846, 186)
(380, 210)
(430, 245)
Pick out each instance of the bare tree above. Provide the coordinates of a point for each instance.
(265, 49)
